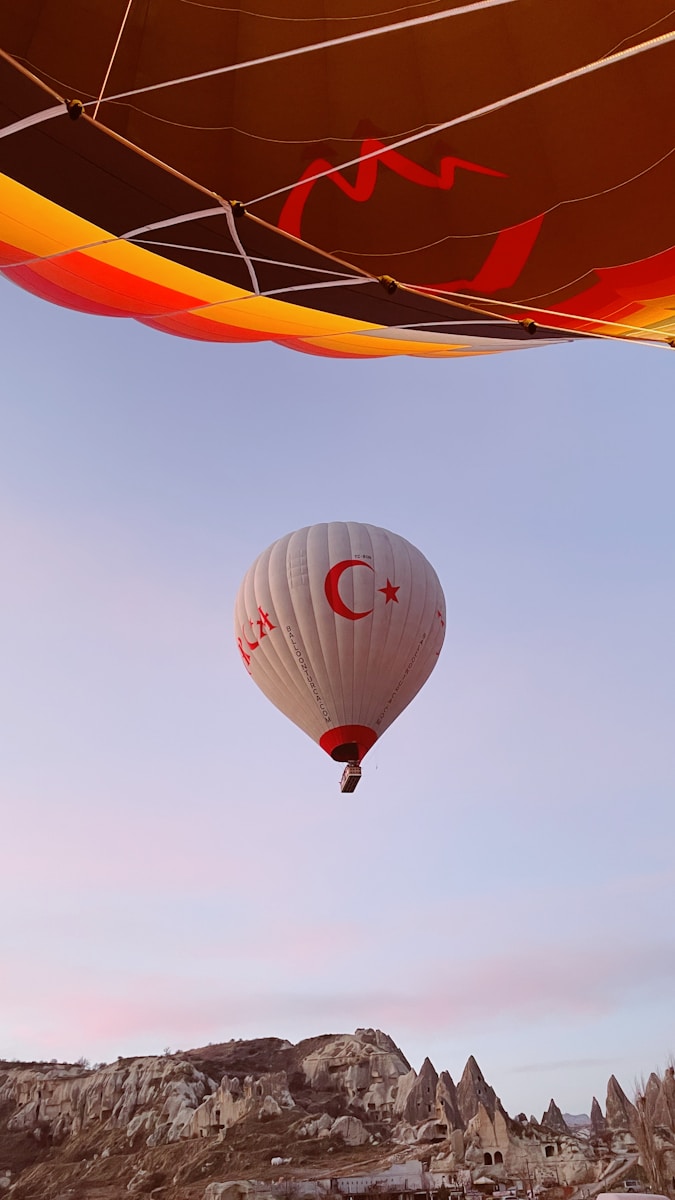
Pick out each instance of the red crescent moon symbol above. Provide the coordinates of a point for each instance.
(332, 589)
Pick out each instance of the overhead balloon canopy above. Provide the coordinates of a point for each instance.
(340, 625)
(434, 179)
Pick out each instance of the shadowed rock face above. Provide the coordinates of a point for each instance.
(598, 1122)
(447, 1103)
(664, 1106)
(553, 1119)
(473, 1091)
(621, 1113)
(417, 1102)
(366, 1067)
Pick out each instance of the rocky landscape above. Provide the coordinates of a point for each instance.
(338, 1114)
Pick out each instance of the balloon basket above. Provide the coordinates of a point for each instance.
(350, 777)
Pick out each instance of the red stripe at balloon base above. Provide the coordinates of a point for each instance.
(348, 743)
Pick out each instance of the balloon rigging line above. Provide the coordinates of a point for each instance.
(638, 32)
(456, 299)
(460, 298)
(476, 6)
(461, 237)
(443, 298)
(309, 287)
(112, 59)
(269, 262)
(258, 137)
(234, 234)
(133, 240)
(245, 12)
(112, 239)
(183, 219)
(485, 110)
(532, 311)
(38, 118)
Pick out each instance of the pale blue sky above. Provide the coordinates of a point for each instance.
(178, 863)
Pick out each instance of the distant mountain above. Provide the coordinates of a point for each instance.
(577, 1120)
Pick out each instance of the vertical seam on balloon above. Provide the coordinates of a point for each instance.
(298, 623)
(293, 669)
(273, 659)
(379, 668)
(335, 631)
(269, 663)
(427, 660)
(360, 709)
(395, 649)
(351, 710)
(420, 674)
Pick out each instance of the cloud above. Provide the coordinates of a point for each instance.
(201, 1000)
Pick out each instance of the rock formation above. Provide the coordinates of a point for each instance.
(221, 1115)
(620, 1113)
(554, 1120)
(447, 1103)
(416, 1098)
(598, 1122)
(473, 1091)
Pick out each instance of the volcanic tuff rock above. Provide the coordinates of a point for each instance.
(447, 1103)
(416, 1098)
(139, 1095)
(337, 1104)
(620, 1112)
(598, 1122)
(472, 1091)
(664, 1103)
(365, 1067)
(553, 1119)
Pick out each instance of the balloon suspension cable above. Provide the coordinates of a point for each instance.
(548, 318)
(485, 110)
(112, 59)
(480, 305)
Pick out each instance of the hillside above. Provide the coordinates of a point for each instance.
(184, 1126)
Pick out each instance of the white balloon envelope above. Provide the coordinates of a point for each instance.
(340, 625)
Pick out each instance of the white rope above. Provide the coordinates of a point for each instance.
(637, 32)
(530, 310)
(234, 233)
(112, 58)
(328, 283)
(169, 222)
(477, 6)
(266, 262)
(47, 114)
(598, 65)
(474, 315)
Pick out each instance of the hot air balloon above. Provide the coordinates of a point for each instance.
(434, 180)
(340, 625)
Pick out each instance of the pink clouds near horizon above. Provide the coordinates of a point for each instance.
(203, 1000)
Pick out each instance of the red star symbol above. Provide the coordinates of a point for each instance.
(389, 592)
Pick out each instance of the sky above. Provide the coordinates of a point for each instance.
(178, 864)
